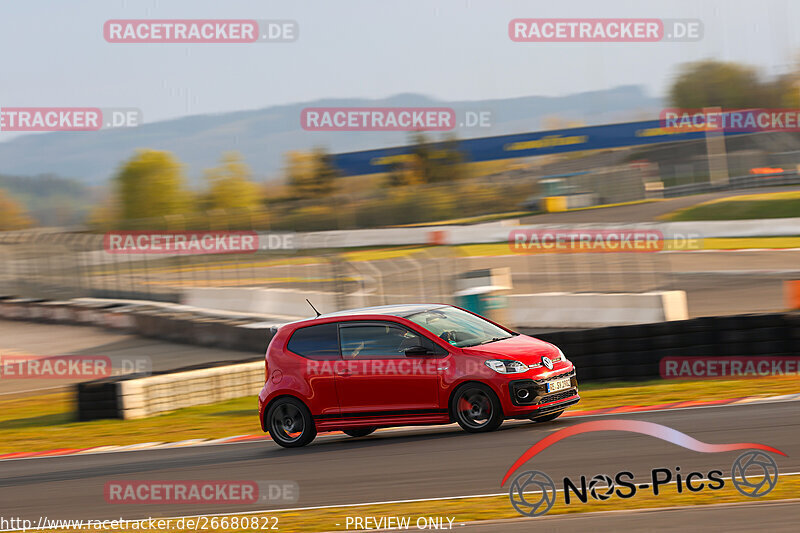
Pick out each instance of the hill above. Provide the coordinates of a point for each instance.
(264, 135)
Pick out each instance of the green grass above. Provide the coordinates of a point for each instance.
(45, 422)
(617, 204)
(750, 206)
(472, 220)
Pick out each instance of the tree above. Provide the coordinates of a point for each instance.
(311, 175)
(718, 84)
(428, 162)
(230, 186)
(12, 215)
(786, 89)
(446, 163)
(151, 184)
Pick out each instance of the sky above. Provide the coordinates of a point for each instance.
(52, 53)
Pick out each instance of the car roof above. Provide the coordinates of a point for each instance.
(399, 310)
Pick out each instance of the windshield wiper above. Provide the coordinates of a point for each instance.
(493, 339)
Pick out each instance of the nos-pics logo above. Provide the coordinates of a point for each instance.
(533, 492)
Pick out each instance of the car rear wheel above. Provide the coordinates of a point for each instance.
(547, 418)
(359, 432)
(290, 423)
(476, 408)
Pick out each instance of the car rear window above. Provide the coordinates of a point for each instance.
(316, 342)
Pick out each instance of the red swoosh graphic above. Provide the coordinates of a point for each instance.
(634, 426)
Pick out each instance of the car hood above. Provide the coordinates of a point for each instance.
(520, 348)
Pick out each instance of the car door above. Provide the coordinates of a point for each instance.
(318, 345)
(377, 378)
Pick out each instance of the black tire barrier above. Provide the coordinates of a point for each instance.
(577, 349)
(634, 352)
(730, 349)
(607, 345)
(665, 341)
(97, 399)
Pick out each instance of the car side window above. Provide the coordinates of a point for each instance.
(319, 342)
(377, 341)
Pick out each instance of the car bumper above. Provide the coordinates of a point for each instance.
(527, 397)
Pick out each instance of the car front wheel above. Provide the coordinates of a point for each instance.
(290, 423)
(476, 408)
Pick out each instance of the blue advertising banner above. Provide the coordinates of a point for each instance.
(525, 145)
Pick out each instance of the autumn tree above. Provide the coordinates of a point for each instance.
(785, 90)
(310, 174)
(151, 184)
(230, 185)
(428, 162)
(446, 162)
(719, 84)
(12, 215)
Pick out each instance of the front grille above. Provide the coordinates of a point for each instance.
(557, 396)
(560, 376)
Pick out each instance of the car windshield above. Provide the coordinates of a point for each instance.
(458, 327)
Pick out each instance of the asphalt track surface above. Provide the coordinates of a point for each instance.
(395, 465)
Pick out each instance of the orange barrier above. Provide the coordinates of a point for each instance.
(765, 170)
(437, 237)
(792, 290)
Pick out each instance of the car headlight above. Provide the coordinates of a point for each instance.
(504, 366)
(561, 355)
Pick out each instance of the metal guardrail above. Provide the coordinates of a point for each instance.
(65, 267)
(740, 182)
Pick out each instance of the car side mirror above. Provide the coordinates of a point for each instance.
(417, 350)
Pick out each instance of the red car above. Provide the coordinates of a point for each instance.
(402, 365)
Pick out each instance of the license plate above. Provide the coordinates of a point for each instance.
(561, 384)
